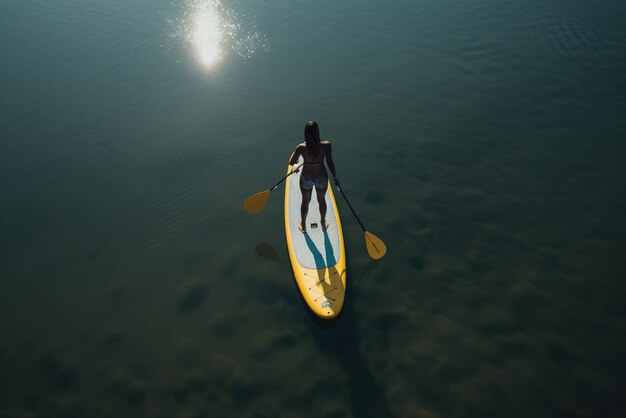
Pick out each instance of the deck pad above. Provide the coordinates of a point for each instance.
(317, 248)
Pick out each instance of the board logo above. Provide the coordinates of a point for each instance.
(326, 304)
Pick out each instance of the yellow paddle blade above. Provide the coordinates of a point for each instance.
(375, 246)
(255, 203)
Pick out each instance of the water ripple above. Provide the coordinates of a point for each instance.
(574, 29)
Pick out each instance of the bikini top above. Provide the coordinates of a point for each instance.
(314, 162)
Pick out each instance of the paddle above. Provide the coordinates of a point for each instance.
(255, 203)
(376, 248)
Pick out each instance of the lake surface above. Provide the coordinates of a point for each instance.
(483, 141)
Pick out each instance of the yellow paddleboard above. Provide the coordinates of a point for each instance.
(318, 258)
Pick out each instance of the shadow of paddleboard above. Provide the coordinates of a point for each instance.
(367, 398)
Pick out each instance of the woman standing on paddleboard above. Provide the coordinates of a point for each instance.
(314, 174)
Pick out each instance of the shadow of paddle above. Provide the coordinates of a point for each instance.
(267, 252)
(370, 267)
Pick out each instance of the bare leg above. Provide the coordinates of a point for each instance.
(304, 208)
(321, 199)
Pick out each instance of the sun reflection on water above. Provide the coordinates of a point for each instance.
(207, 35)
(210, 31)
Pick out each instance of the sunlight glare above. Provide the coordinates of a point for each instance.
(208, 35)
(211, 31)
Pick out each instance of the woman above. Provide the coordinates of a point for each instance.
(314, 173)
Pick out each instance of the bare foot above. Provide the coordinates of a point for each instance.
(324, 225)
(302, 228)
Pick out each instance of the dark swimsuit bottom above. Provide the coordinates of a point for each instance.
(320, 183)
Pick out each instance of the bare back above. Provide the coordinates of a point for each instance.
(313, 167)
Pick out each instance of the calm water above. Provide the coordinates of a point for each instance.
(482, 140)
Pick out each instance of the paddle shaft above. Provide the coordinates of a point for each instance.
(283, 179)
(351, 208)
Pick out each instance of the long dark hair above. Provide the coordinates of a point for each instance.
(312, 138)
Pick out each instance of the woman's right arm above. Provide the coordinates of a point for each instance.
(296, 154)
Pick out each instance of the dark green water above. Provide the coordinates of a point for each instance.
(482, 140)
